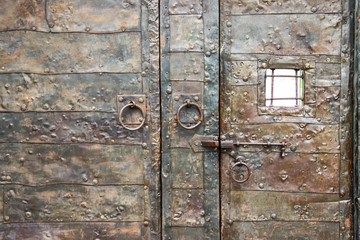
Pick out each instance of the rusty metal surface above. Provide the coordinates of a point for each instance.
(286, 34)
(185, 7)
(279, 229)
(74, 163)
(34, 52)
(70, 231)
(69, 127)
(260, 206)
(63, 155)
(23, 15)
(283, 6)
(94, 16)
(189, 70)
(63, 203)
(313, 181)
(356, 115)
(294, 173)
(92, 92)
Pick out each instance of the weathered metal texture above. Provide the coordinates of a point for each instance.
(189, 70)
(295, 173)
(240, 7)
(356, 116)
(43, 164)
(92, 92)
(64, 203)
(34, 52)
(23, 15)
(94, 16)
(287, 34)
(307, 138)
(70, 231)
(260, 206)
(68, 127)
(278, 229)
(310, 35)
(63, 155)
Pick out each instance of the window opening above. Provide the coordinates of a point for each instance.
(284, 87)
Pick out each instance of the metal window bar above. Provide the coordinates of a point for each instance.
(298, 88)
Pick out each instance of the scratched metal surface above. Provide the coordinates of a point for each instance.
(68, 169)
(357, 92)
(314, 36)
(189, 70)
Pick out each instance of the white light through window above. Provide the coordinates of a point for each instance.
(284, 87)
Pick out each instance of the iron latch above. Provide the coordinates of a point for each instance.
(201, 143)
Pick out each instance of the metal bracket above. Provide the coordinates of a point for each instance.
(127, 103)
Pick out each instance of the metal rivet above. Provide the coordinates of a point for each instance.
(141, 100)
(28, 214)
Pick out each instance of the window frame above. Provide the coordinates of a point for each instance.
(308, 109)
(297, 77)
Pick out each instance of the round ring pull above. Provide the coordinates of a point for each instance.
(131, 105)
(189, 104)
(240, 164)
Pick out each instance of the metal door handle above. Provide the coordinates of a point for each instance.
(131, 105)
(189, 104)
(239, 164)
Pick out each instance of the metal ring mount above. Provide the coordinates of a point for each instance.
(189, 104)
(239, 164)
(131, 105)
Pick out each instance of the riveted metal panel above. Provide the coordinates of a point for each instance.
(93, 16)
(64, 156)
(92, 92)
(258, 206)
(42, 164)
(300, 185)
(23, 15)
(35, 52)
(63, 203)
(287, 34)
(55, 127)
(317, 173)
(284, 6)
(69, 231)
(278, 229)
(190, 68)
(185, 6)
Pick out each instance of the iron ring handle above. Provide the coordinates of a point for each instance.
(239, 164)
(130, 105)
(189, 104)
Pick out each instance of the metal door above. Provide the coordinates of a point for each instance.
(68, 168)
(297, 183)
(283, 172)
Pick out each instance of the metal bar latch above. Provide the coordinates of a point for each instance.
(201, 143)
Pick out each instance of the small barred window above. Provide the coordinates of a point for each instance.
(284, 87)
